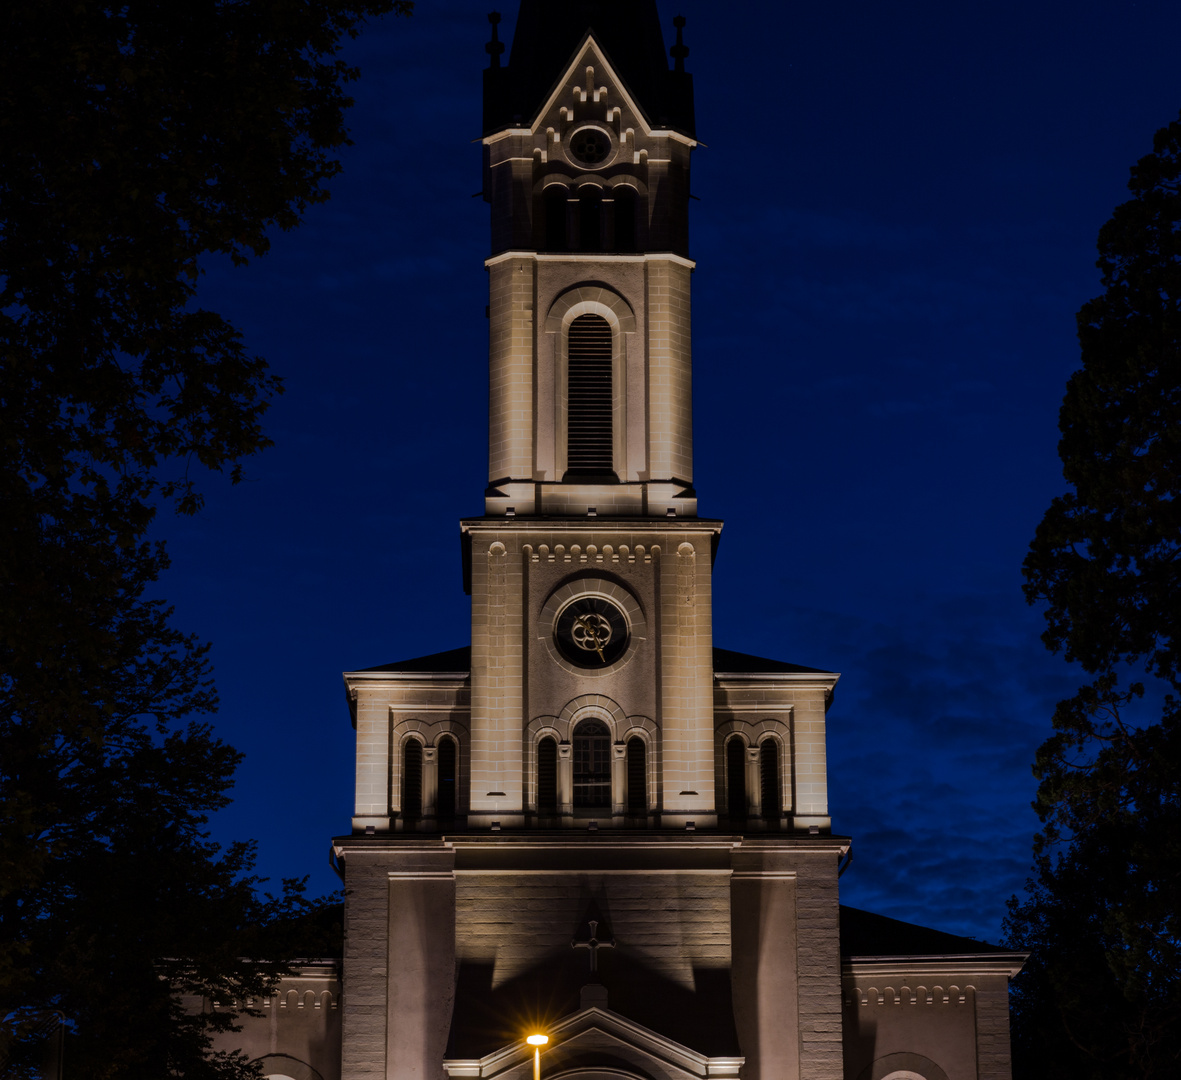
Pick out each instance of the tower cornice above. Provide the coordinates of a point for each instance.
(595, 258)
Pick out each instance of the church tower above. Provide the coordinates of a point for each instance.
(592, 822)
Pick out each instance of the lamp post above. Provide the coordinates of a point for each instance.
(537, 1042)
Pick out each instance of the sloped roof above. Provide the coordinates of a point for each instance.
(457, 660)
(865, 934)
(547, 34)
(744, 663)
(452, 660)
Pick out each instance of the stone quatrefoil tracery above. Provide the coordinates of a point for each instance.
(591, 632)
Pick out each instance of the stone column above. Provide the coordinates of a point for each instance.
(420, 960)
(618, 778)
(764, 971)
(430, 781)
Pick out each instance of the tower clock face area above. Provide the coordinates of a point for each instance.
(591, 632)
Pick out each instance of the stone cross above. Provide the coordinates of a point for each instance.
(593, 945)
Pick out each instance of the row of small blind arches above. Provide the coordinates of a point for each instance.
(591, 234)
(592, 775)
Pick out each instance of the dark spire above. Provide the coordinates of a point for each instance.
(546, 36)
(495, 47)
(679, 51)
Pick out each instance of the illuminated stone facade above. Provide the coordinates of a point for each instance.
(593, 822)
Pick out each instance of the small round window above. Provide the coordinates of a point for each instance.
(590, 146)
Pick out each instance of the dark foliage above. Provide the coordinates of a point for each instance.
(137, 139)
(1104, 914)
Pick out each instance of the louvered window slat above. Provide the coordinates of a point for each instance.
(589, 397)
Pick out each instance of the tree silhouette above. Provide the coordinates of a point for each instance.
(1103, 993)
(138, 139)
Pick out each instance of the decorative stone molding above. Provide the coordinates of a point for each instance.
(919, 995)
(902, 1067)
(285, 1067)
(590, 299)
(591, 554)
(607, 588)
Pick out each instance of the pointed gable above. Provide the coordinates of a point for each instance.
(546, 38)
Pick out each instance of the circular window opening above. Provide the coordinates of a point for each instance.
(590, 146)
(591, 632)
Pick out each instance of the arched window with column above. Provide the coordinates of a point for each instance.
(637, 776)
(592, 765)
(736, 780)
(412, 780)
(590, 436)
(547, 776)
(771, 788)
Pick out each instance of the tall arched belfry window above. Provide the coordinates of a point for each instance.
(736, 779)
(769, 774)
(547, 776)
(592, 765)
(590, 219)
(412, 779)
(625, 218)
(589, 434)
(555, 218)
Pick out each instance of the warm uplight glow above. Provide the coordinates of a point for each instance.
(537, 1040)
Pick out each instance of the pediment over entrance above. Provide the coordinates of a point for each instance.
(596, 1044)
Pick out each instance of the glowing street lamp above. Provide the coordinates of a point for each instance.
(537, 1042)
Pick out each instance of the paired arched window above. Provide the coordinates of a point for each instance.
(590, 402)
(412, 780)
(592, 765)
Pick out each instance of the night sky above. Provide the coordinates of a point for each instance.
(897, 218)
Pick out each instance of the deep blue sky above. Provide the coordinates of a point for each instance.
(897, 216)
